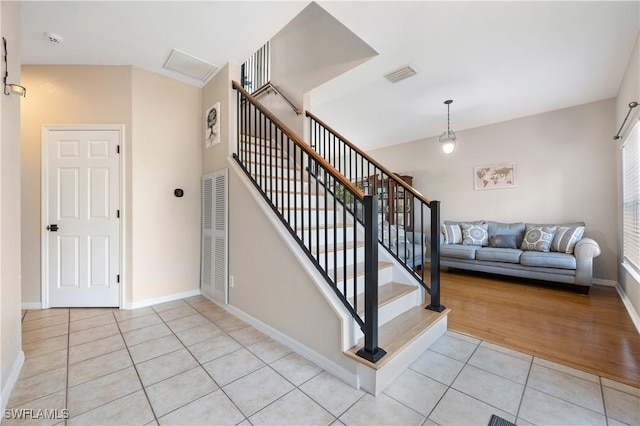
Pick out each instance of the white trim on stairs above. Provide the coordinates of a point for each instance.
(348, 377)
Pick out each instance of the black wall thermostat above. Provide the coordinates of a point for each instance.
(178, 192)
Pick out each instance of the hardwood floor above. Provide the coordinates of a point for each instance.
(592, 333)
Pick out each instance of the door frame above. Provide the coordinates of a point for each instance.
(44, 200)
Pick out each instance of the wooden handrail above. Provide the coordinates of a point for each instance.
(270, 86)
(392, 175)
(298, 141)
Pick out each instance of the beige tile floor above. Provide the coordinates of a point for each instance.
(190, 362)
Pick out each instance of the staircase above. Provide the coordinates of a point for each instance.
(336, 225)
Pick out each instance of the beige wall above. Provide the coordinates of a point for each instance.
(11, 355)
(162, 152)
(310, 50)
(564, 172)
(270, 283)
(629, 91)
(165, 156)
(65, 95)
(219, 90)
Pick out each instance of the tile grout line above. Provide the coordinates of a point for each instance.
(199, 365)
(448, 386)
(66, 385)
(460, 372)
(144, 389)
(604, 404)
(278, 373)
(524, 390)
(245, 347)
(564, 399)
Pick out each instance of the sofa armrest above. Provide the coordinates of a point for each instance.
(416, 237)
(586, 249)
(428, 236)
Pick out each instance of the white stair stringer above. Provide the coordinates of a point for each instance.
(318, 231)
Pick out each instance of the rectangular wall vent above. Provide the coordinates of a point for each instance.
(189, 65)
(400, 74)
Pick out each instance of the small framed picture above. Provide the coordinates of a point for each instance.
(212, 126)
(494, 176)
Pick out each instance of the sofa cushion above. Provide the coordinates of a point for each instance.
(566, 238)
(474, 235)
(538, 238)
(452, 234)
(459, 251)
(503, 241)
(499, 254)
(500, 228)
(548, 260)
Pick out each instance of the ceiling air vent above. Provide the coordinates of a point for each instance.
(189, 65)
(400, 74)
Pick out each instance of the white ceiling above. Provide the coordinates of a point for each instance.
(496, 60)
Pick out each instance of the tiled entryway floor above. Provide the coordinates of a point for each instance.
(191, 362)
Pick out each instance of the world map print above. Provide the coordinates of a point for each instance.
(495, 176)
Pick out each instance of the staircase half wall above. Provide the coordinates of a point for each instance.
(271, 288)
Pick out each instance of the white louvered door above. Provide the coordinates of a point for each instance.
(215, 235)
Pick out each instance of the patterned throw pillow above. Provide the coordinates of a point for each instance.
(475, 235)
(452, 234)
(566, 238)
(538, 238)
(503, 241)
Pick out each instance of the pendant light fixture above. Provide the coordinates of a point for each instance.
(448, 139)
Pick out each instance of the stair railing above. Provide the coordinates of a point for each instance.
(309, 197)
(398, 226)
(256, 70)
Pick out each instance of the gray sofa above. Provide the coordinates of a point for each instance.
(555, 253)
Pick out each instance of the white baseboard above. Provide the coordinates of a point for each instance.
(627, 304)
(317, 358)
(163, 299)
(606, 283)
(11, 380)
(32, 305)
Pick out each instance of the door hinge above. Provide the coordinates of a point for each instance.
(117, 149)
(118, 213)
(118, 278)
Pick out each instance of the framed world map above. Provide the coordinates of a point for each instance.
(494, 176)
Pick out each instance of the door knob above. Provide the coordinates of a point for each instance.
(52, 228)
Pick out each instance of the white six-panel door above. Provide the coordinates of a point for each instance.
(82, 218)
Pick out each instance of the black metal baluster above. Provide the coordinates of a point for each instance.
(335, 234)
(295, 197)
(326, 222)
(288, 178)
(344, 240)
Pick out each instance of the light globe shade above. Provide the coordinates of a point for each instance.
(448, 142)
